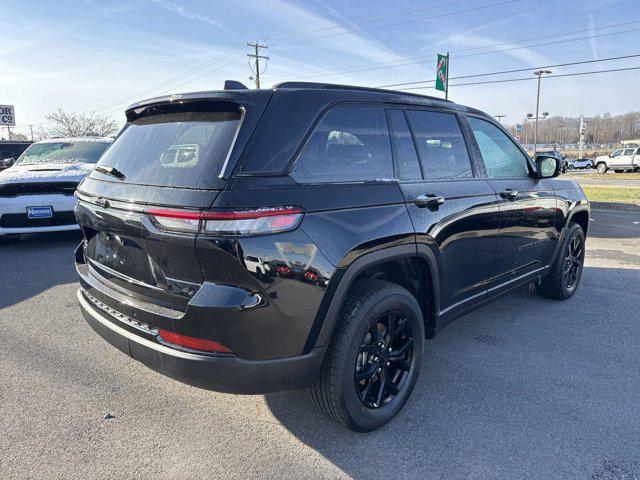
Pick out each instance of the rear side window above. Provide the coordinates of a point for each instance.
(502, 158)
(403, 148)
(177, 149)
(350, 144)
(441, 146)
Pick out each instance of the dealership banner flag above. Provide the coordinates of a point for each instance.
(441, 72)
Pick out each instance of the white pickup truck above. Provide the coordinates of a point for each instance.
(619, 161)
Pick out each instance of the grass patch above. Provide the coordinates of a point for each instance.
(604, 176)
(613, 194)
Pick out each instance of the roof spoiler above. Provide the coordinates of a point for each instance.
(234, 85)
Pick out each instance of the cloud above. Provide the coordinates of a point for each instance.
(183, 12)
(592, 39)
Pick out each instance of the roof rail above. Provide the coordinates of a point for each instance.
(333, 86)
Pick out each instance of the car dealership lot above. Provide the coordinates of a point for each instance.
(525, 387)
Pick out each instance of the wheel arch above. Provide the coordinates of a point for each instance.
(581, 217)
(327, 316)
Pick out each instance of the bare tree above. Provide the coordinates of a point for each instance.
(72, 124)
(605, 128)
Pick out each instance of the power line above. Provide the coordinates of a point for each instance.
(414, 20)
(550, 43)
(394, 64)
(516, 70)
(217, 59)
(564, 34)
(175, 87)
(522, 79)
(364, 20)
(170, 80)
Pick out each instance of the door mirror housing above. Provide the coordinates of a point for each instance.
(547, 166)
(7, 162)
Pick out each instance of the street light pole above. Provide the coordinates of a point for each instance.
(539, 74)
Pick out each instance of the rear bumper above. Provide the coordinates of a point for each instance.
(223, 373)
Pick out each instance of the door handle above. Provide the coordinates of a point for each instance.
(509, 193)
(429, 200)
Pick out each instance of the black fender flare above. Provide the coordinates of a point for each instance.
(327, 316)
(580, 206)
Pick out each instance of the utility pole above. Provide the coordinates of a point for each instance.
(256, 56)
(539, 74)
(499, 117)
(31, 128)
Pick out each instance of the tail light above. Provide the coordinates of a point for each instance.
(192, 342)
(228, 222)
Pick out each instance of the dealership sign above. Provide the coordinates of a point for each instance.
(7, 117)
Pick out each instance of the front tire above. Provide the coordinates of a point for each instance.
(374, 358)
(563, 279)
(602, 168)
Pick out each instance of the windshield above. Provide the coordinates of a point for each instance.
(177, 149)
(63, 152)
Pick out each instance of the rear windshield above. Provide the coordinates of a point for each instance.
(177, 149)
(63, 152)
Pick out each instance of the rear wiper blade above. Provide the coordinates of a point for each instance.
(110, 171)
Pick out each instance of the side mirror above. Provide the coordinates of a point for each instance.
(547, 167)
(7, 162)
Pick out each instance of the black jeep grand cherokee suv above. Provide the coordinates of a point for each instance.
(313, 235)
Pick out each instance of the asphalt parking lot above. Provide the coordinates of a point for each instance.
(523, 388)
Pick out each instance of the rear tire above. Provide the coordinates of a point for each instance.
(563, 279)
(602, 168)
(385, 356)
(9, 239)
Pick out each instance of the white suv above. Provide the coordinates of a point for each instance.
(619, 161)
(36, 193)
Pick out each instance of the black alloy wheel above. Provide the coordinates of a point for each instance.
(573, 262)
(384, 359)
(564, 276)
(374, 358)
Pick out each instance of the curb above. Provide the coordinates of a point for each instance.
(622, 207)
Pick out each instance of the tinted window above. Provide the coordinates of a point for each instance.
(629, 151)
(178, 149)
(616, 153)
(11, 151)
(441, 146)
(349, 144)
(64, 152)
(502, 158)
(404, 149)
